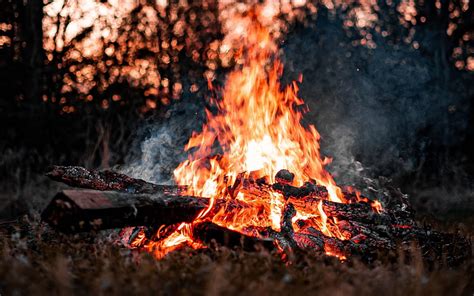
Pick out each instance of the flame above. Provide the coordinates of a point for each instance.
(258, 127)
(178, 239)
(255, 132)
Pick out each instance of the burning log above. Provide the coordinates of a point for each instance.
(208, 232)
(285, 237)
(301, 197)
(307, 198)
(362, 211)
(84, 210)
(135, 202)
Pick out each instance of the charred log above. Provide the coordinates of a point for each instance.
(135, 202)
(76, 176)
(284, 237)
(208, 233)
(85, 210)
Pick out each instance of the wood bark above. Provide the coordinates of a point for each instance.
(76, 176)
(85, 210)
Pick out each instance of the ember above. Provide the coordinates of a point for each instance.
(167, 220)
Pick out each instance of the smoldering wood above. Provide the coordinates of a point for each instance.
(206, 232)
(85, 210)
(135, 202)
(285, 237)
(209, 232)
(76, 176)
(433, 246)
(303, 198)
(307, 198)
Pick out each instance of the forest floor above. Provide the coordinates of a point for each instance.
(35, 260)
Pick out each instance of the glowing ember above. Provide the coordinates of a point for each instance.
(181, 237)
(255, 133)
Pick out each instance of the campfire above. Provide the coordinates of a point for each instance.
(254, 177)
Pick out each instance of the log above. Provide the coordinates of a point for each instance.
(307, 197)
(135, 202)
(85, 210)
(301, 197)
(361, 211)
(285, 237)
(309, 238)
(76, 176)
(207, 232)
(357, 211)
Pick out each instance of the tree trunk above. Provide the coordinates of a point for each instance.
(33, 54)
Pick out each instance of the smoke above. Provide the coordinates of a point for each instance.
(380, 112)
(162, 148)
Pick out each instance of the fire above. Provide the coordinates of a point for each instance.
(179, 238)
(255, 132)
(258, 127)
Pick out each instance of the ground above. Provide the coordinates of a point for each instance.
(36, 261)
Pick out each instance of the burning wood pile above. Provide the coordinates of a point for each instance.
(114, 200)
(254, 175)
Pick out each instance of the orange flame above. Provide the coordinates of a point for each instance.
(258, 127)
(178, 239)
(256, 131)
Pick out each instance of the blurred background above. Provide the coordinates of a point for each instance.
(122, 83)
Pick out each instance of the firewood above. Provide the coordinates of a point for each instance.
(368, 244)
(307, 199)
(84, 210)
(301, 197)
(285, 236)
(361, 211)
(135, 202)
(76, 176)
(208, 232)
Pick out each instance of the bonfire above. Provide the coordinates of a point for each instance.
(254, 176)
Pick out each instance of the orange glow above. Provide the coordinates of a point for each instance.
(258, 127)
(377, 206)
(255, 132)
(178, 239)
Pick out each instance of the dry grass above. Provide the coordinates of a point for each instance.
(37, 261)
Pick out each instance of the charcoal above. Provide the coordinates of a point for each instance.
(284, 177)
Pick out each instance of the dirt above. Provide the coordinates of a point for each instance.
(35, 260)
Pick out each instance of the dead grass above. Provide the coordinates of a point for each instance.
(37, 261)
